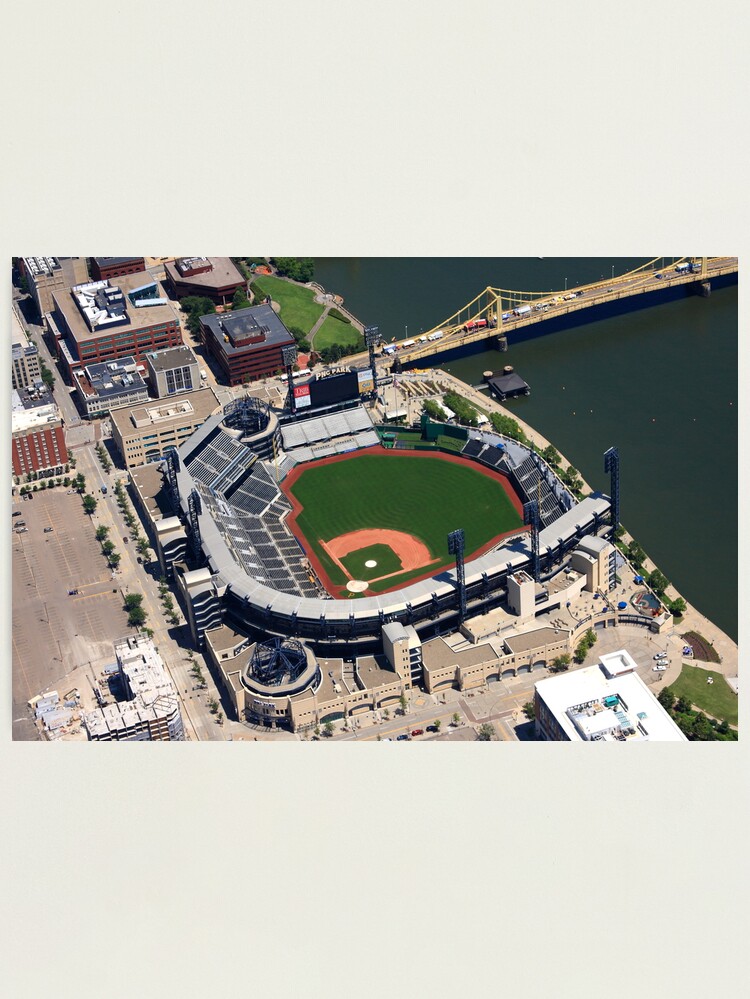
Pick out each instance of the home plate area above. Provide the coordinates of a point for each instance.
(369, 555)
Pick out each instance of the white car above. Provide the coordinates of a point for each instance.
(660, 655)
(660, 667)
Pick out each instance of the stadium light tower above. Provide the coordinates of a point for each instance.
(289, 359)
(531, 517)
(372, 335)
(612, 465)
(456, 545)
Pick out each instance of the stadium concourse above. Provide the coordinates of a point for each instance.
(218, 515)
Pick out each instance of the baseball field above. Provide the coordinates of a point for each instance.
(382, 517)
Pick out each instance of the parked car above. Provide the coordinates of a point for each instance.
(660, 655)
(402, 738)
(432, 728)
(48, 530)
(16, 513)
(660, 667)
(418, 731)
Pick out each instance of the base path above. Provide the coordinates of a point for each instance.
(412, 552)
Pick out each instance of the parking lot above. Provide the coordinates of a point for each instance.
(53, 632)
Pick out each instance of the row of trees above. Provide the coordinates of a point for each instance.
(656, 579)
(694, 724)
(297, 268)
(104, 457)
(195, 306)
(466, 414)
(136, 612)
(587, 642)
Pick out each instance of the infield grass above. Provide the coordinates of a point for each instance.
(424, 496)
(386, 558)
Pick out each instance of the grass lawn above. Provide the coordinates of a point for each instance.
(334, 331)
(386, 558)
(296, 302)
(717, 698)
(425, 496)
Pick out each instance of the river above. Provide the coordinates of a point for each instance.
(661, 384)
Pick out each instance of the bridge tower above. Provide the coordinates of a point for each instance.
(612, 465)
(456, 545)
(289, 358)
(531, 517)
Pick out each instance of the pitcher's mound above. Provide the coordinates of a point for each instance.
(370, 563)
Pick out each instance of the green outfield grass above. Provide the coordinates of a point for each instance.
(426, 496)
(717, 698)
(297, 307)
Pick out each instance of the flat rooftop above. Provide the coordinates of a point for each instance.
(188, 407)
(116, 261)
(375, 671)
(518, 644)
(244, 326)
(437, 654)
(111, 378)
(149, 483)
(17, 332)
(223, 272)
(592, 707)
(172, 357)
(135, 318)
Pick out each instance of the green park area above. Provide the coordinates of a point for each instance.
(426, 496)
(716, 699)
(333, 331)
(296, 303)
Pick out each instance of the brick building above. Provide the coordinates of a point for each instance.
(101, 321)
(46, 275)
(247, 344)
(38, 439)
(103, 268)
(216, 278)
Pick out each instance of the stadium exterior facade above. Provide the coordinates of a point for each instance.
(234, 561)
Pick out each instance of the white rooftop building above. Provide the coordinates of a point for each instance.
(607, 702)
(152, 711)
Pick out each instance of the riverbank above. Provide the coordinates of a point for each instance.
(691, 620)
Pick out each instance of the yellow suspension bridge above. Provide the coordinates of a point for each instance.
(497, 312)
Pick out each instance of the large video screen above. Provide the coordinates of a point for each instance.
(337, 388)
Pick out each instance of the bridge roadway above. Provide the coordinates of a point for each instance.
(559, 303)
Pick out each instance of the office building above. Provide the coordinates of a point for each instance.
(47, 275)
(216, 278)
(152, 709)
(146, 432)
(101, 321)
(104, 268)
(173, 371)
(607, 702)
(37, 438)
(105, 387)
(247, 344)
(26, 369)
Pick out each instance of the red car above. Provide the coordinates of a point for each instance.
(417, 731)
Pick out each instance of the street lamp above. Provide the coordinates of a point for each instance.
(613, 272)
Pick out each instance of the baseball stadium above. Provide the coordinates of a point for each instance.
(323, 527)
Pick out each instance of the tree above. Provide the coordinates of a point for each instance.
(666, 698)
(136, 617)
(723, 727)
(47, 377)
(683, 706)
(89, 504)
(102, 533)
(486, 732)
(213, 705)
(580, 653)
(328, 729)
(456, 718)
(142, 546)
(403, 703)
(678, 607)
(297, 268)
(434, 410)
(551, 456)
(133, 600)
(507, 426)
(386, 714)
(702, 729)
(658, 582)
(636, 554)
(80, 482)
(560, 663)
(115, 559)
(107, 548)
(437, 724)
(240, 300)
(465, 412)
(529, 710)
